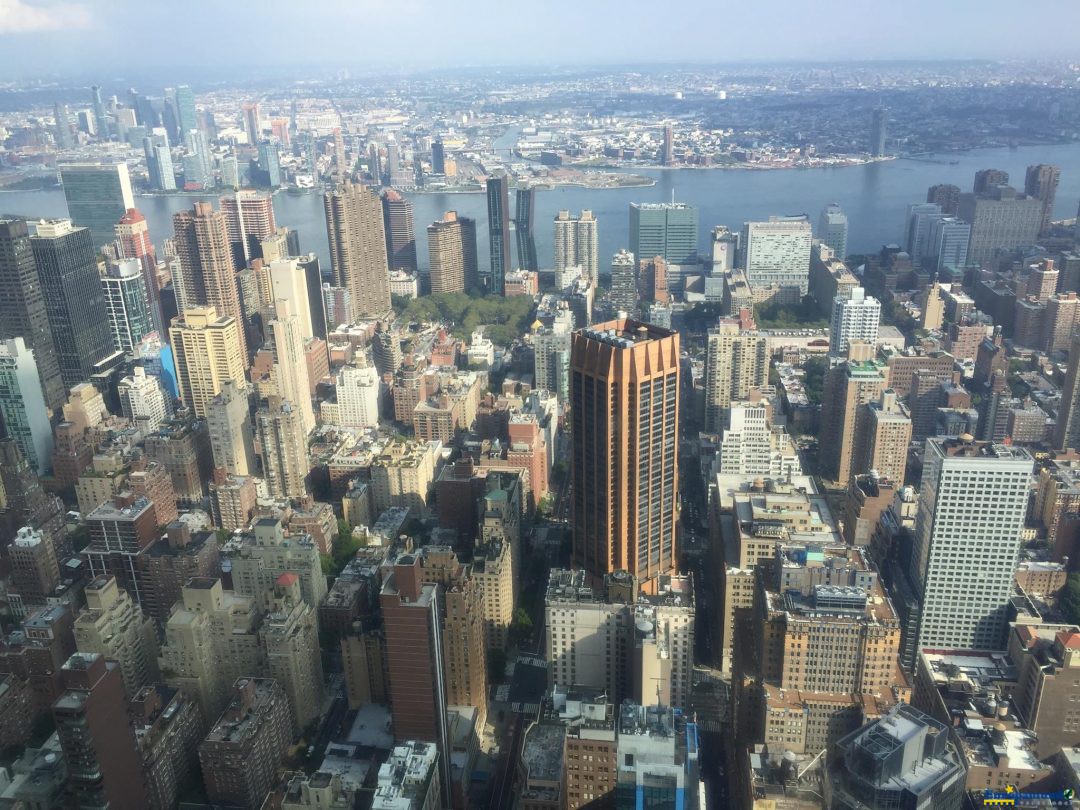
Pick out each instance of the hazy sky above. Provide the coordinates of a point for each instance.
(123, 35)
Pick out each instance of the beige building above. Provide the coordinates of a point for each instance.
(356, 232)
(266, 552)
(886, 435)
(290, 639)
(289, 376)
(736, 362)
(228, 420)
(363, 657)
(114, 627)
(283, 441)
(739, 587)
(402, 475)
(209, 351)
(848, 387)
(493, 572)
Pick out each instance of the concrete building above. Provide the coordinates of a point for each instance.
(577, 244)
(288, 374)
(411, 779)
(290, 639)
(736, 362)
(403, 474)
(624, 295)
(120, 530)
(283, 440)
(751, 445)
(776, 257)
(168, 728)
(209, 351)
(452, 254)
(355, 229)
(1000, 220)
(143, 401)
(848, 387)
(260, 556)
(229, 423)
(358, 397)
(1067, 427)
(833, 229)
(854, 318)
(885, 437)
(113, 626)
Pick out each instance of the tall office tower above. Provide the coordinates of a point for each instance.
(159, 164)
(669, 230)
(438, 157)
(114, 627)
(249, 219)
(986, 179)
(524, 214)
(228, 419)
(498, 208)
(736, 362)
(246, 746)
(290, 636)
(624, 288)
(1041, 182)
(354, 227)
(22, 307)
(252, 123)
(67, 267)
(289, 374)
(400, 232)
(98, 195)
(667, 151)
(883, 444)
(208, 350)
(142, 400)
(972, 504)
(452, 254)
(776, 255)
(624, 394)
(853, 318)
(1001, 220)
(101, 123)
(126, 304)
(268, 165)
(198, 165)
(133, 237)
(207, 277)
(104, 767)
(832, 229)
(879, 119)
(577, 244)
(62, 131)
(22, 404)
(283, 440)
(945, 196)
(948, 246)
(186, 118)
(918, 223)
(848, 387)
(393, 162)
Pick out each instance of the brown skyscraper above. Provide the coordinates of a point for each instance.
(355, 230)
(249, 219)
(452, 254)
(848, 387)
(624, 395)
(207, 277)
(104, 767)
(1041, 181)
(985, 179)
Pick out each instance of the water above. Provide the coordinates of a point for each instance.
(874, 196)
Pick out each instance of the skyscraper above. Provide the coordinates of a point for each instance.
(1067, 427)
(159, 164)
(101, 123)
(624, 394)
(289, 373)
(438, 157)
(668, 230)
(63, 126)
(252, 123)
(624, 288)
(280, 428)
(972, 504)
(249, 219)
(70, 285)
(207, 277)
(832, 229)
(577, 243)
(354, 227)
(98, 195)
(948, 245)
(22, 307)
(878, 125)
(1000, 220)
(498, 208)
(667, 154)
(452, 254)
(848, 387)
(341, 167)
(736, 362)
(22, 404)
(133, 235)
(945, 195)
(126, 304)
(269, 165)
(854, 317)
(208, 349)
(1041, 182)
(917, 226)
(986, 179)
(400, 232)
(228, 421)
(776, 256)
(523, 228)
(186, 118)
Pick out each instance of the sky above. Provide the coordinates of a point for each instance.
(76, 37)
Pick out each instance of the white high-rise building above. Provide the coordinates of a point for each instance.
(22, 404)
(777, 253)
(142, 400)
(577, 244)
(972, 505)
(288, 281)
(832, 229)
(752, 446)
(854, 318)
(358, 397)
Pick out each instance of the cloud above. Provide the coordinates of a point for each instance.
(28, 16)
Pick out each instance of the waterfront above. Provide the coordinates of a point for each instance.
(873, 195)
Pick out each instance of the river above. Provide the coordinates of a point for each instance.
(874, 196)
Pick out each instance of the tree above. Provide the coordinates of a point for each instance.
(1070, 599)
(521, 626)
(814, 371)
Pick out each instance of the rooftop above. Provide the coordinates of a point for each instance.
(542, 752)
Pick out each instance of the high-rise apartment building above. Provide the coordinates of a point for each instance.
(208, 349)
(776, 256)
(577, 244)
(946, 196)
(267, 551)
(624, 395)
(288, 279)
(1067, 427)
(1041, 182)
(452, 254)
(24, 416)
(972, 504)
(280, 428)
(358, 397)
(127, 304)
(98, 195)
(855, 317)
(355, 229)
(249, 219)
(114, 627)
(986, 179)
(882, 447)
(669, 230)
(879, 119)
(22, 307)
(228, 420)
(498, 208)
(833, 229)
(1062, 314)
(751, 445)
(400, 232)
(134, 242)
(736, 362)
(290, 638)
(524, 214)
(848, 387)
(67, 267)
(288, 374)
(624, 283)
(1000, 220)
